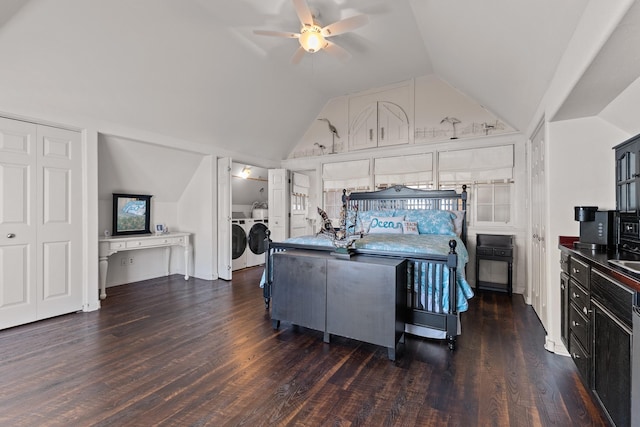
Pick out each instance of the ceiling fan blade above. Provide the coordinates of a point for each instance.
(297, 56)
(345, 25)
(303, 11)
(276, 34)
(337, 51)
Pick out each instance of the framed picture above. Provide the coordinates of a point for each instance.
(131, 214)
(161, 229)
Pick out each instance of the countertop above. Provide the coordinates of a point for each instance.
(600, 260)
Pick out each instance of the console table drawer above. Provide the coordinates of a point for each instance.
(117, 245)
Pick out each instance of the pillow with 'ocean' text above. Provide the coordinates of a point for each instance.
(386, 225)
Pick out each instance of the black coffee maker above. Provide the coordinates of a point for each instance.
(598, 231)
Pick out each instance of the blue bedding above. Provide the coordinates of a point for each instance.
(421, 244)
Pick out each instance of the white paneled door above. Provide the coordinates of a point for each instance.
(17, 223)
(224, 218)
(40, 222)
(279, 204)
(538, 291)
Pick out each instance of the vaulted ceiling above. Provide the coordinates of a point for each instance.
(194, 69)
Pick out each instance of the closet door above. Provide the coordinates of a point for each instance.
(18, 206)
(59, 231)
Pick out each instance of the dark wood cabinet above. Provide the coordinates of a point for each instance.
(564, 298)
(628, 175)
(579, 313)
(495, 247)
(612, 340)
(612, 365)
(597, 327)
(366, 300)
(302, 299)
(564, 307)
(363, 298)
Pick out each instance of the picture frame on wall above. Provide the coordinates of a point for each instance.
(131, 214)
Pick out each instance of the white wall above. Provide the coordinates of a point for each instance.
(580, 171)
(196, 214)
(580, 163)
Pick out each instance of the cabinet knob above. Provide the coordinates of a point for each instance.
(575, 270)
(574, 295)
(575, 356)
(574, 323)
(11, 236)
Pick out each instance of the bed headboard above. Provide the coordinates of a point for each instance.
(401, 197)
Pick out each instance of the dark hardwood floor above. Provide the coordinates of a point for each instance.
(195, 353)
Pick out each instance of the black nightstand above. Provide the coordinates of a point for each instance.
(495, 247)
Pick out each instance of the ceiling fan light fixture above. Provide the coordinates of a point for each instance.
(311, 38)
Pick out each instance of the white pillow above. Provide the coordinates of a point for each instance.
(410, 227)
(457, 222)
(386, 225)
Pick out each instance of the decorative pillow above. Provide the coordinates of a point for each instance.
(430, 221)
(457, 221)
(386, 225)
(365, 217)
(409, 227)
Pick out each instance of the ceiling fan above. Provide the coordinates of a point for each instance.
(313, 37)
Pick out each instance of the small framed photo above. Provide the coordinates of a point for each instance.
(161, 229)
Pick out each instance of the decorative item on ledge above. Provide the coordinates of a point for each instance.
(344, 237)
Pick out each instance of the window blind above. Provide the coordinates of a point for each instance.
(476, 165)
(352, 174)
(404, 169)
(300, 184)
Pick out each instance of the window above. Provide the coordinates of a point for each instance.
(299, 202)
(493, 202)
(350, 176)
(491, 171)
(333, 204)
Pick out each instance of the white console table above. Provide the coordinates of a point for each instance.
(110, 245)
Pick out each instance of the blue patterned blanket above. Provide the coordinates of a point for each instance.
(422, 244)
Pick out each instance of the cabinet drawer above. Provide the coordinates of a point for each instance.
(579, 326)
(497, 252)
(481, 250)
(580, 358)
(617, 298)
(564, 262)
(579, 296)
(580, 272)
(502, 252)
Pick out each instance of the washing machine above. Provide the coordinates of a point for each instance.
(256, 235)
(239, 244)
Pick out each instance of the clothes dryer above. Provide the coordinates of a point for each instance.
(256, 235)
(239, 248)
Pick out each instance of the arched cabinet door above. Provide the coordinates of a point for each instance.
(393, 124)
(379, 124)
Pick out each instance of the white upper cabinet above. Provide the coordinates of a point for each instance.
(379, 119)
